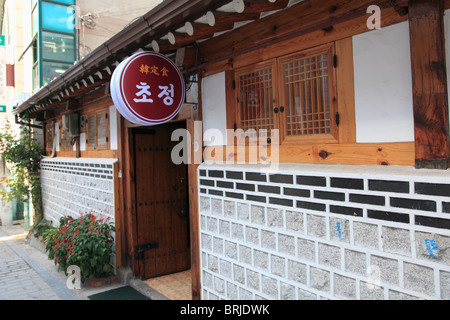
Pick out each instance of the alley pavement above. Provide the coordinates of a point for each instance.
(27, 274)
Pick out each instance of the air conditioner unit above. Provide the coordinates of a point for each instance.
(71, 124)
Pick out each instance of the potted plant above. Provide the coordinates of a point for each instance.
(86, 242)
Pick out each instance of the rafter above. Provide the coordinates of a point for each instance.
(178, 40)
(237, 6)
(60, 100)
(193, 28)
(259, 6)
(216, 18)
(161, 45)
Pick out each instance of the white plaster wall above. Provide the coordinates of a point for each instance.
(214, 110)
(113, 127)
(57, 136)
(383, 85)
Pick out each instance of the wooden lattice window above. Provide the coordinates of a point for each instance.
(295, 94)
(97, 127)
(307, 95)
(49, 136)
(92, 131)
(66, 143)
(102, 137)
(255, 98)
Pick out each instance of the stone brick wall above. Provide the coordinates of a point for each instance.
(73, 186)
(324, 232)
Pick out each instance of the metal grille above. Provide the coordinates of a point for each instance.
(256, 100)
(307, 97)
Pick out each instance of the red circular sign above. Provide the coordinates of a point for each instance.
(148, 88)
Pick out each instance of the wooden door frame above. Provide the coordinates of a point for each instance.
(190, 114)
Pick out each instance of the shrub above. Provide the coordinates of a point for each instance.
(85, 242)
(41, 228)
(24, 154)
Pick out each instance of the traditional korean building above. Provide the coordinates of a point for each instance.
(318, 158)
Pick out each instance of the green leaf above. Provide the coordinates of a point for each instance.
(106, 268)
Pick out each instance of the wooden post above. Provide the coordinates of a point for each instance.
(431, 121)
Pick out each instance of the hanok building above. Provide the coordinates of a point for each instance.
(357, 206)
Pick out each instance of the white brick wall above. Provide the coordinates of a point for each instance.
(73, 186)
(333, 232)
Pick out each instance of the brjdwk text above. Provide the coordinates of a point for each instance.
(228, 309)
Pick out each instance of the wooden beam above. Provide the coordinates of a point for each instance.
(386, 154)
(217, 18)
(175, 37)
(260, 6)
(178, 40)
(346, 90)
(237, 6)
(275, 48)
(161, 45)
(194, 208)
(193, 28)
(49, 114)
(186, 57)
(118, 218)
(302, 18)
(429, 79)
(71, 105)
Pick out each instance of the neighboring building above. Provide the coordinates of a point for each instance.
(354, 202)
(11, 84)
(102, 19)
(42, 39)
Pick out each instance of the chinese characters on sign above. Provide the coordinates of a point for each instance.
(148, 89)
(154, 70)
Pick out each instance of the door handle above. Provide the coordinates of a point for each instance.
(183, 215)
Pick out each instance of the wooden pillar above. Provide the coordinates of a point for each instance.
(431, 121)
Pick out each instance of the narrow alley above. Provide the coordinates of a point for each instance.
(27, 274)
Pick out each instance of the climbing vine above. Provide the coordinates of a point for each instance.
(24, 154)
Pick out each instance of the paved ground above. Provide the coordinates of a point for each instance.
(27, 274)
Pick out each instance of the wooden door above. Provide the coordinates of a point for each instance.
(161, 203)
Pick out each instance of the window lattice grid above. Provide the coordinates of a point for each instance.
(307, 97)
(256, 100)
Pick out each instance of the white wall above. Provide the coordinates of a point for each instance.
(214, 109)
(383, 85)
(113, 129)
